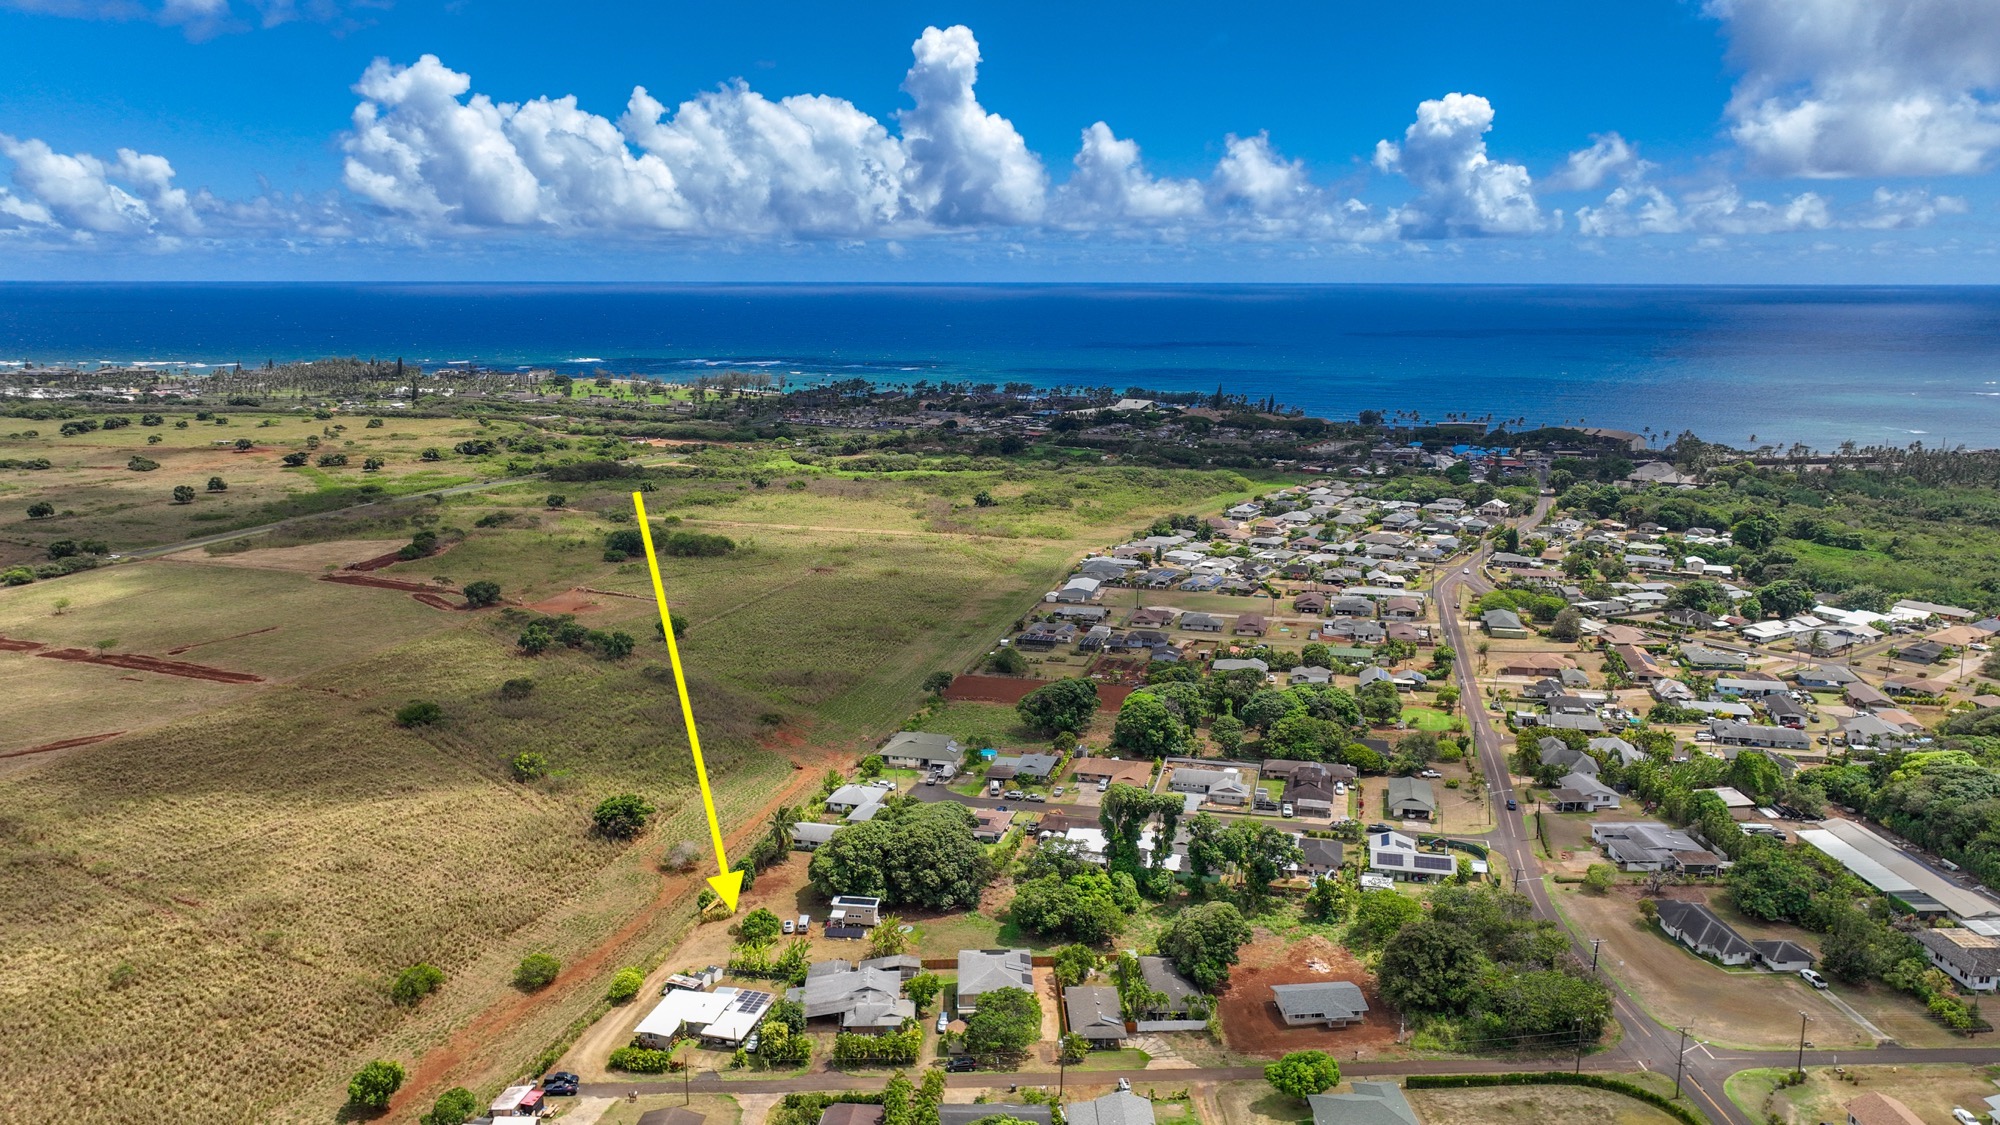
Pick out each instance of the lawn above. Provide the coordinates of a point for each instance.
(1534, 1105)
(1430, 719)
(979, 726)
(1930, 1091)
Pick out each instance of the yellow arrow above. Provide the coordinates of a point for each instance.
(728, 884)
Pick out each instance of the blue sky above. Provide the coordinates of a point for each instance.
(1641, 140)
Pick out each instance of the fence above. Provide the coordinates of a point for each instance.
(1170, 1025)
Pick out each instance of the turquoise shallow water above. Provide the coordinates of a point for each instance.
(1818, 365)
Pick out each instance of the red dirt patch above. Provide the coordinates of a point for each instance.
(391, 559)
(1250, 1019)
(138, 663)
(575, 600)
(1011, 689)
(380, 583)
(65, 744)
(18, 646)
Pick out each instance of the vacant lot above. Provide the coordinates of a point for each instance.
(1738, 1007)
(1250, 1021)
(1255, 1103)
(1930, 1091)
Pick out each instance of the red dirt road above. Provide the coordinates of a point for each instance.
(1012, 689)
(428, 595)
(18, 646)
(138, 663)
(65, 744)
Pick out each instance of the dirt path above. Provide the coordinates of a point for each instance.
(219, 640)
(65, 744)
(7, 645)
(138, 663)
(439, 1065)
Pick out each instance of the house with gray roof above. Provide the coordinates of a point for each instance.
(1697, 927)
(810, 835)
(1334, 1003)
(917, 750)
(1504, 624)
(1411, 798)
(981, 971)
(1120, 1107)
(1728, 732)
(863, 1000)
(966, 1113)
(1371, 1103)
(1093, 1013)
(1971, 959)
(1164, 980)
(1556, 752)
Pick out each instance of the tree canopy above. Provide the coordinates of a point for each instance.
(1147, 728)
(1007, 1021)
(1063, 705)
(911, 854)
(1302, 1074)
(1202, 942)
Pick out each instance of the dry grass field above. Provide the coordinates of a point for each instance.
(1255, 1103)
(208, 910)
(1930, 1091)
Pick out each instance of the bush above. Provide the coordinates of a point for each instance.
(481, 594)
(453, 1107)
(332, 460)
(217, 484)
(183, 494)
(529, 765)
(415, 983)
(536, 970)
(1598, 877)
(419, 713)
(625, 986)
(140, 464)
(641, 1060)
(520, 687)
(373, 1085)
(696, 544)
(623, 816)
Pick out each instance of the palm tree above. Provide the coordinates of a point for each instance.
(782, 819)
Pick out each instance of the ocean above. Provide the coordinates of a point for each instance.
(1746, 366)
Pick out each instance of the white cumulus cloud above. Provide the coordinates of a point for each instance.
(1835, 88)
(1110, 185)
(132, 195)
(967, 166)
(1609, 156)
(1461, 190)
(1635, 209)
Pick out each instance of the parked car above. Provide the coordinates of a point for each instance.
(805, 922)
(959, 1064)
(1962, 1115)
(1124, 1085)
(788, 925)
(1103, 785)
(1380, 828)
(1056, 792)
(561, 1084)
(1430, 773)
(1285, 811)
(1036, 797)
(1812, 978)
(944, 1020)
(751, 1044)
(1015, 795)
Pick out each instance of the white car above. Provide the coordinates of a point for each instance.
(1465, 570)
(1963, 1116)
(1812, 978)
(944, 1021)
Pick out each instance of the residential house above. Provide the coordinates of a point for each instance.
(990, 825)
(1864, 696)
(1153, 618)
(1555, 752)
(913, 750)
(1697, 927)
(1397, 856)
(965, 1113)
(981, 971)
(1747, 686)
(1223, 786)
(1879, 1109)
(1030, 767)
(1642, 845)
(1201, 622)
(1371, 1103)
(1503, 624)
(1826, 677)
(1639, 664)
(1582, 792)
(1973, 960)
(1120, 1107)
(1402, 609)
(854, 910)
(810, 836)
(1783, 956)
(1590, 724)
(1729, 732)
(1785, 711)
(1411, 798)
(1093, 1013)
(1923, 652)
(1310, 674)
(1704, 659)
(1322, 856)
(1251, 625)
(839, 1113)
(1352, 607)
(1241, 665)
(1113, 770)
(1533, 664)
(1334, 1003)
(1164, 980)
(1078, 590)
(848, 798)
(862, 1000)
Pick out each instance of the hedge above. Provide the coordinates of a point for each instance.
(641, 1060)
(1677, 1110)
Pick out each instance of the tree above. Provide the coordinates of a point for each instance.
(217, 484)
(1007, 661)
(429, 454)
(1147, 728)
(1202, 942)
(622, 816)
(1756, 530)
(536, 971)
(922, 989)
(887, 939)
(1567, 626)
(419, 713)
(759, 926)
(1787, 597)
(332, 460)
(1302, 1074)
(1007, 1022)
(453, 1107)
(1083, 907)
(373, 1085)
(625, 985)
(140, 464)
(555, 500)
(1700, 594)
(183, 494)
(372, 464)
(1772, 885)
(1598, 877)
(1379, 914)
(415, 983)
(1227, 733)
(295, 460)
(936, 682)
(1431, 966)
(896, 1097)
(481, 594)
(1380, 702)
(41, 510)
(911, 854)
(1067, 704)
(1074, 964)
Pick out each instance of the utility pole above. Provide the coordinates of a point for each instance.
(1803, 1021)
(1579, 1045)
(1595, 944)
(1680, 1062)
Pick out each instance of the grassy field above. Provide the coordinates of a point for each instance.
(258, 862)
(1929, 1091)
(1255, 1103)
(97, 497)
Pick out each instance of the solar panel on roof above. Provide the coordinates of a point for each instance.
(1435, 862)
(1389, 859)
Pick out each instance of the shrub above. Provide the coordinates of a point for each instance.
(373, 424)
(217, 484)
(183, 494)
(696, 544)
(536, 970)
(419, 713)
(622, 816)
(453, 1107)
(41, 510)
(332, 460)
(415, 983)
(528, 765)
(520, 687)
(625, 986)
(373, 1085)
(294, 459)
(1598, 877)
(140, 464)
(641, 1060)
(481, 594)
